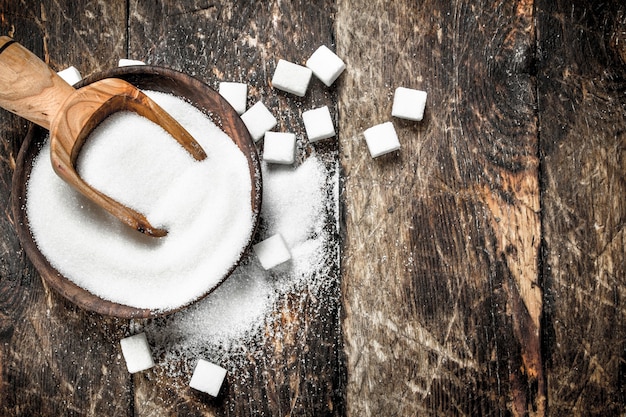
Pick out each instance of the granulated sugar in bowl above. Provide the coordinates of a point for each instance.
(210, 208)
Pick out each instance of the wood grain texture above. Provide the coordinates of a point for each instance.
(30, 88)
(582, 70)
(442, 303)
(54, 358)
(483, 271)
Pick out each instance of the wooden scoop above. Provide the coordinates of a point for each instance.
(30, 89)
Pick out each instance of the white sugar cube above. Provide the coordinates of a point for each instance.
(292, 78)
(70, 75)
(136, 353)
(207, 377)
(258, 119)
(236, 94)
(381, 139)
(409, 104)
(279, 147)
(272, 251)
(326, 65)
(318, 124)
(129, 62)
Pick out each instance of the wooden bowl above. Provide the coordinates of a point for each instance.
(147, 78)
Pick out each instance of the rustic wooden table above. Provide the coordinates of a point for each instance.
(483, 265)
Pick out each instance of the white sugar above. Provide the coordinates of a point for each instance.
(409, 103)
(205, 206)
(381, 139)
(295, 201)
(207, 377)
(124, 62)
(136, 353)
(272, 251)
(291, 77)
(318, 124)
(326, 65)
(279, 148)
(236, 94)
(258, 119)
(70, 75)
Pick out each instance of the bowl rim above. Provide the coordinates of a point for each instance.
(146, 77)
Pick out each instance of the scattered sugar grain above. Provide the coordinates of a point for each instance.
(146, 169)
(226, 324)
(293, 201)
(71, 75)
(231, 311)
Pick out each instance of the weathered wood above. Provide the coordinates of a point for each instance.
(582, 103)
(54, 358)
(297, 368)
(442, 303)
(29, 87)
(521, 149)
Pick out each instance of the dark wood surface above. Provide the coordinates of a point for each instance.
(440, 288)
(583, 264)
(483, 266)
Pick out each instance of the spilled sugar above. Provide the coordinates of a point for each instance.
(205, 206)
(225, 325)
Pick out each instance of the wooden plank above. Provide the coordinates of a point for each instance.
(54, 359)
(295, 367)
(440, 269)
(582, 102)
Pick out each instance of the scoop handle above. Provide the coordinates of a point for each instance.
(28, 87)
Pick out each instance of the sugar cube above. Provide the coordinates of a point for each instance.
(381, 139)
(207, 377)
(326, 65)
(292, 78)
(272, 251)
(136, 353)
(279, 147)
(258, 119)
(318, 124)
(128, 62)
(236, 94)
(409, 104)
(70, 75)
